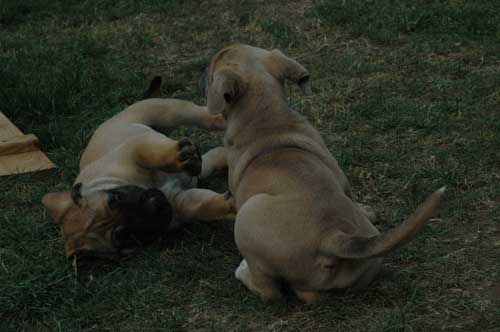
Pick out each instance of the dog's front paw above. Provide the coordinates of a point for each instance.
(217, 122)
(188, 156)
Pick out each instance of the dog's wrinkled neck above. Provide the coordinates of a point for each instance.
(102, 184)
(266, 116)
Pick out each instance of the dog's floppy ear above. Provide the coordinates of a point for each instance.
(225, 89)
(283, 67)
(57, 204)
(76, 193)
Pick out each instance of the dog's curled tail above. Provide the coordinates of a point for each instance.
(347, 246)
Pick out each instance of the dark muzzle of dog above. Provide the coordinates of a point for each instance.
(130, 217)
(146, 215)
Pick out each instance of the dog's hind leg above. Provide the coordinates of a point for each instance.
(368, 212)
(167, 114)
(259, 283)
(156, 151)
(214, 161)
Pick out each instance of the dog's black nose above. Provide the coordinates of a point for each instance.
(152, 192)
(155, 208)
(154, 199)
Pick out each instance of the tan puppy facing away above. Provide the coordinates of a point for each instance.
(296, 220)
(135, 183)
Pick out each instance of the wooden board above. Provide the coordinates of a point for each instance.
(19, 144)
(25, 162)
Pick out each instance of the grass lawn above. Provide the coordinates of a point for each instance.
(406, 95)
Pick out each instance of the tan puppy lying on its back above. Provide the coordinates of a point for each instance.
(135, 183)
(296, 220)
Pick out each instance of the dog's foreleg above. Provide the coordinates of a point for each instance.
(205, 205)
(213, 161)
(308, 297)
(368, 212)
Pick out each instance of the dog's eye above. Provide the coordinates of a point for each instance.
(122, 237)
(114, 199)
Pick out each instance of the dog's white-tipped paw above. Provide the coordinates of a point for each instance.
(241, 270)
